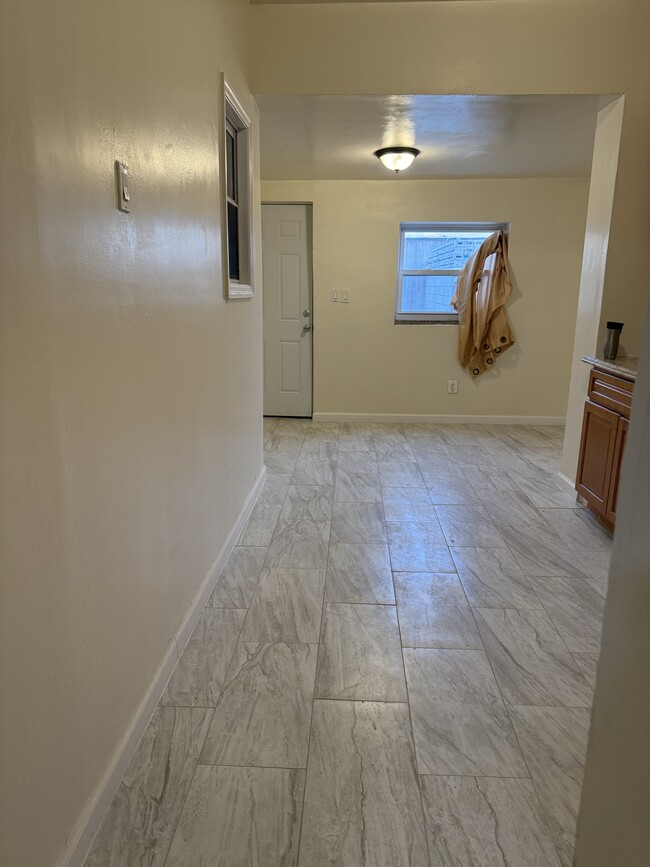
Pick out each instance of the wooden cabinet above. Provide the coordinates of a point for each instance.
(604, 430)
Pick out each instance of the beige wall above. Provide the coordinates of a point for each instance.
(364, 363)
(613, 827)
(131, 393)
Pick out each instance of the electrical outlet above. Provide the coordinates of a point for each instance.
(452, 386)
(335, 295)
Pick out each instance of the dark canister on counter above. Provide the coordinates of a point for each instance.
(612, 334)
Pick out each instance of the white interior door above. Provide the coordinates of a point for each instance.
(286, 248)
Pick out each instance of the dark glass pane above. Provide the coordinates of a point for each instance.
(231, 164)
(427, 294)
(233, 242)
(439, 251)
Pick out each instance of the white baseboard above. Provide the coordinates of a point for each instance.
(567, 485)
(379, 418)
(92, 816)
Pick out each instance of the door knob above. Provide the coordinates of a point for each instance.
(305, 312)
(306, 327)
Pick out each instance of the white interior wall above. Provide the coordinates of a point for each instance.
(131, 392)
(588, 331)
(613, 823)
(365, 364)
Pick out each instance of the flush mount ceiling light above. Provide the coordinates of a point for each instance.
(397, 158)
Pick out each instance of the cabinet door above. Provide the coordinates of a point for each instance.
(619, 446)
(599, 429)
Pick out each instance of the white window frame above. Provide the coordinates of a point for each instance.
(429, 317)
(232, 112)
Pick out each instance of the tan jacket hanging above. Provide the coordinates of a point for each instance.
(482, 290)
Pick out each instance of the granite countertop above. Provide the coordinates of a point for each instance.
(623, 366)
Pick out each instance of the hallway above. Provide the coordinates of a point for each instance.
(394, 669)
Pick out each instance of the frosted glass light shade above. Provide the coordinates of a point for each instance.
(397, 158)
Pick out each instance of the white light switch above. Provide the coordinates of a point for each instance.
(345, 296)
(335, 295)
(122, 180)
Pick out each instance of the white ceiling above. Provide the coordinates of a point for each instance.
(313, 137)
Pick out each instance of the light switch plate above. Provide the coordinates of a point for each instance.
(335, 295)
(345, 296)
(122, 181)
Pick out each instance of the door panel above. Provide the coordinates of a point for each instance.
(619, 448)
(286, 247)
(599, 428)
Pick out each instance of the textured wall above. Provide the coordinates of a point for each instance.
(131, 392)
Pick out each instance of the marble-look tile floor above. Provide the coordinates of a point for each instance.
(395, 668)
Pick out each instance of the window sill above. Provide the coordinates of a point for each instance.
(239, 291)
(432, 321)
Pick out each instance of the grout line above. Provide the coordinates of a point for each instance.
(318, 656)
(410, 714)
(514, 731)
(180, 812)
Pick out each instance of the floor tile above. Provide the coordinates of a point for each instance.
(433, 611)
(313, 472)
(491, 578)
(408, 504)
(238, 817)
(355, 439)
(360, 655)
(299, 544)
(540, 551)
(284, 443)
(277, 462)
(545, 494)
(484, 822)
(489, 481)
(460, 723)
(307, 502)
(286, 607)
(509, 507)
(260, 526)
(319, 449)
(140, 822)
(439, 467)
(451, 491)
(400, 474)
(554, 743)
(579, 528)
(360, 523)
(362, 803)
(530, 660)
(357, 462)
(469, 526)
(588, 664)
(263, 715)
(359, 573)
(576, 609)
(236, 584)
(275, 488)
(418, 547)
(357, 487)
(201, 670)
(595, 565)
